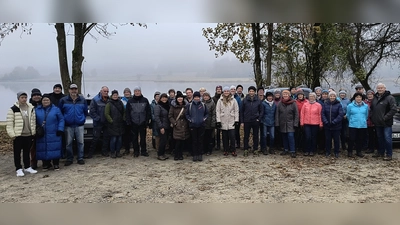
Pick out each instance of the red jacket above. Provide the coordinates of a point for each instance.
(300, 104)
(311, 114)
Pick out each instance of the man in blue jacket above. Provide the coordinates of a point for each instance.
(96, 111)
(75, 109)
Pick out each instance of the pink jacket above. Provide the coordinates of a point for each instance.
(311, 114)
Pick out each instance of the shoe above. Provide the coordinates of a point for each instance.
(46, 167)
(293, 154)
(284, 153)
(195, 158)
(370, 151)
(34, 166)
(360, 154)
(246, 153)
(145, 154)
(271, 151)
(113, 155)
(88, 156)
(56, 167)
(126, 153)
(180, 157)
(350, 154)
(327, 154)
(377, 155)
(135, 155)
(68, 163)
(20, 173)
(312, 154)
(225, 153)
(336, 155)
(162, 157)
(234, 154)
(176, 158)
(264, 152)
(306, 154)
(208, 153)
(200, 158)
(30, 170)
(118, 155)
(105, 154)
(256, 152)
(81, 162)
(387, 158)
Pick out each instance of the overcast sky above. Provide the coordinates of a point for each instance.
(132, 49)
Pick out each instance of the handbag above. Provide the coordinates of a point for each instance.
(40, 128)
(180, 113)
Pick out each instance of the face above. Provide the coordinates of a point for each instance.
(45, 102)
(73, 91)
(233, 91)
(277, 95)
(260, 94)
(164, 99)
(57, 90)
(239, 90)
(127, 94)
(197, 98)
(219, 91)
(332, 98)
(172, 94)
(180, 100)
(380, 89)
(252, 92)
(226, 93)
(312, 98)
(104, 92)
(318, 91)
(293, 91)
(285, 95)
(206, 97)
(358, 99)
(324, 95)
(157, 98)
(370, 96)
(22, 99)
(300, 96)
(36, 98)
(360, 90)
(189, 94)
(114, 96)
(269, 97)
(342, 95)
(137, 92)
(202, 92)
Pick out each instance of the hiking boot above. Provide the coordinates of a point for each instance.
(195, 158)
(293, 154)
(30, 170)
(306, 154)
(285, 152)
(200, 158)
(81, 162)
(118, 155)
(359, 154)
(272, 151)
(265, 152)
(256, 152)
(56, 167)
(46, 167)
(327, 154)
(350, 154)
(246, 153)
(336, 155)
(145, 154)
(68, 163)
(387, 158)
(105, 154)
(113, 155)
(20, 173)
(377, 155)
(162, 157)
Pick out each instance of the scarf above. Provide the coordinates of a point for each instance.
(287, 101)
(164, 105)
(269, 102)
(312, 102)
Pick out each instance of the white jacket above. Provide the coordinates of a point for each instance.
(228, 114)
(15, 123)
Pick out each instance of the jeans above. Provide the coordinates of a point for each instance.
(384, 135)
(115, 144)
(136, 131)
(288, 142)
(357, 138)
(22, 143)
(98, 130)
(267, 130)
(197, 140)
(228, 140)
(329, 134)
(163, 142)
(311, 132)
(247, 127)
(70, 134)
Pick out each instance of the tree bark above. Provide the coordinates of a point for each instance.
(62, 56)
(77, 54)
(315, 57)
(257, 57)
(270, 27)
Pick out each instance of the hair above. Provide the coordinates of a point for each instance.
(190, 89)
(381, 84)
(313, 94)
(202, 89)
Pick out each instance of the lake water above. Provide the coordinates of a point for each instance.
(9, 90)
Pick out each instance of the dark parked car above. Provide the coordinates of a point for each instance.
(88, 132)
(306, 90)
(396, 120)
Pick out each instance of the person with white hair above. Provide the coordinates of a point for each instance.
(311, 121)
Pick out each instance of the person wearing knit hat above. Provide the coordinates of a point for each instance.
(137, 88)
(179, 95)
(56, 95)
(218, 87)
(318, 92)
(371, 132)
(155, 94)
(155, 140)
(239, 91)
(126, 137)
(217, 136)
(114, 113)
(357, 115)
(127, 96)
(209, 123)
(196, 94)
(226, 88)
(237, 126)
(268, 123)
(277, 96)
(345, 123)
(21, 93)
(36, 97)
(57, 86)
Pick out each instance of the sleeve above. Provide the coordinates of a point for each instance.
(218, 112)
(205, 116)
(277, 116)
(171, 115)
(128, 114)
(302, 114)
(33, 121)
(60, 118)
(157, 119)
(10, 123)
(148, 112)
(320, 115)
(236, 111)
(107, 113)
(392, 109)
(241, 116)
(340, 115)
(324, 119)
(187, 113)
(261, 110)
(93, 110)
(212, 114)
(296, 118)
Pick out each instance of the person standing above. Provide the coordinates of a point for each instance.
(21, 127)
(227, 116)
(96, 111)
(138, 115)
(155, 139)
(357, 114)
(311, 121)
(268, 121)
(251, 116)
(189, 95)
(127, 136)
(372, 138)
(239, 91)
(196, 114)
(48, 147)
(299, 131)
(161, 120)
(210, 123)
(345, 123)
(237, 127)
(35, 100)
(115, 116)
(287, 118)
(179, 124)
(332, 116)
(383, 109)
(171, 95)
(74, 109)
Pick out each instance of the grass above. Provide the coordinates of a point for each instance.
(2, 127)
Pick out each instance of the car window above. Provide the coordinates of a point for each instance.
(397, 97)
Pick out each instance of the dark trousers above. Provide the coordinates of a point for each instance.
(311, 132)
(24, 144)
(48, 162)
(179, 146)
(127, 138)
(197, 134)
(218, 138)
(321, 140)
(247, 127)
(372, 139)
(207, 141)
(171, 140)
(356, 138)
(228, 140)
(163, 142)
(344, 133)
(136, 131)
(237, 135)
(329, 134)
(278, 138)
(299, 138)
(100, 134)
(33, 153)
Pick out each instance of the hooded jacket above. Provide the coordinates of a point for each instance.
(227, 114)
(332, 115)
(15, 122)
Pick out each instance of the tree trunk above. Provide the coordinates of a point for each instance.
(315, 56)
(257, 57)
(77, 54)
(62, 56)
(270, 28)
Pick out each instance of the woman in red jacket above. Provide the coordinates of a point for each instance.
(310, 120)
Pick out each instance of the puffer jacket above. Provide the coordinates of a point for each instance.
(269, 114)
(357, 115)
(369, 121)
(115, 116)
(49, 146)
(154, 129)
(228, 114)
(332, 115)
(138, 111)
(15, 123)
(287, 117)
(300, 104)
(383, 109)
(161, 117)
(196, 113)
(311, 114)
(252, 109)
(74, 112)
(96, 110)
(211, 119)
(180, 125)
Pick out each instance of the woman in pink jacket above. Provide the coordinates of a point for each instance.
(310, 120)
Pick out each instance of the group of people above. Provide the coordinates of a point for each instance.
(46, 125)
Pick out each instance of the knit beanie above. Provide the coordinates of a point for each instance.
(114, 92)
(196, 94)
(137, 88)
(57, 85)
(219, 86)
(226, 88)
(239, 85)
(127, 89)
(156, 93)
(332, 93)
(179, 95)
(232, 87)
(21, 93)
(36, 91)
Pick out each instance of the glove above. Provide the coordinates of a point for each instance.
(60, 133)
(237, 124)
(218, 125)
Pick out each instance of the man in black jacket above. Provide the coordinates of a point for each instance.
(383, 109)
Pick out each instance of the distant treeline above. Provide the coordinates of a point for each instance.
(20, 73)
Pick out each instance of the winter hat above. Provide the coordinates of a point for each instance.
(332, 93)
(137, 88)
(252, 88)
(269, 94)
(325, 91)
(358, 86)
(36, 91)
(239, 85)
(114, 92)
(226, 88)
(370, 92)
(46, 96)
(277, 91)
(300, 91)
(358, 94)
(21, 93)
(219, 86)
(286, 91)
(232, 87)
(127, 89)
(207, 93)
(57, 85)
(163, 95)
(342, 92)
(156, 93)
(179, 95)
(317, 88)
(196, 94)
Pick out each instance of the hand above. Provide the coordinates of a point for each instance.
(60, 133)
(162, 130)
(218, 125)
(236, 124)
(242, 124)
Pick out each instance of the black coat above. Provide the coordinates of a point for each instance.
(383, 109)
